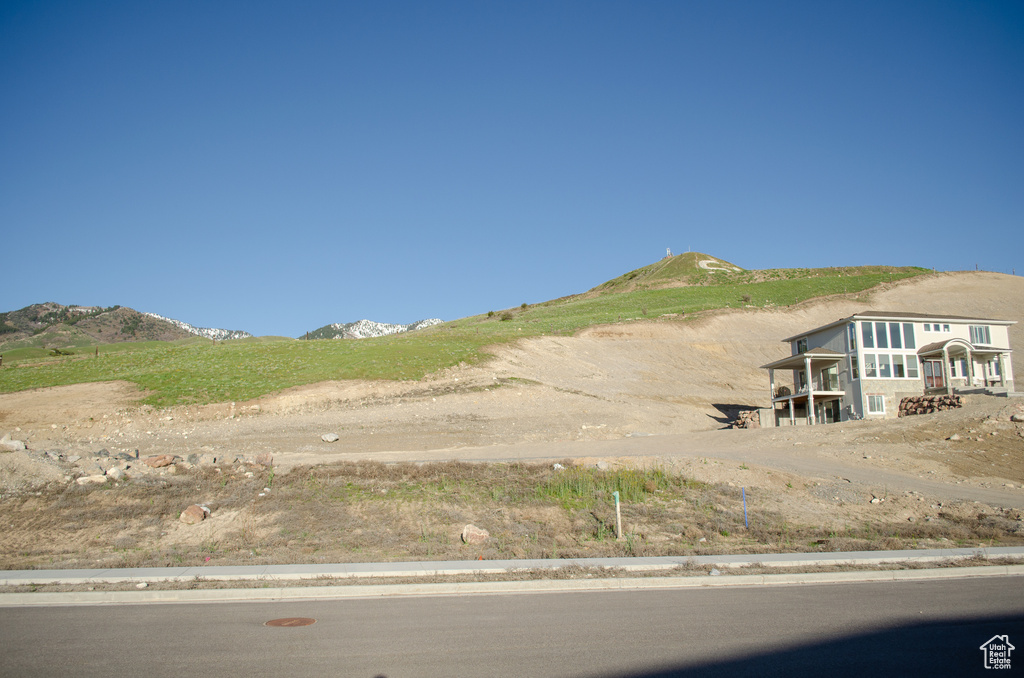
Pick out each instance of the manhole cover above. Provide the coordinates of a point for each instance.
(291, 621)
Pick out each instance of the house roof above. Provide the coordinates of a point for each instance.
(794, 362)
(903, 315)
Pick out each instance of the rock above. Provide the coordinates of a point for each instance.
(192, 515)
(330, 437)
(954, 437)
(159, 460)
(471, 534)
(875, 500)
(558, 467)
(602, 465)
(715, 572)
(91, 480)
(264, 459)
(8, 445)
(141, 585)
(1017, 418)
(115, 474)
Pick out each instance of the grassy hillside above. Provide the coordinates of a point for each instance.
(198, 371)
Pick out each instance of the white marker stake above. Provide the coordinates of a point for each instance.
(618, 516)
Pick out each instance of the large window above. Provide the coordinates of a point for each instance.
(876, 404)
(908, 336)
(981, 335)
(854, 373)
(801, 345)
(851, 338)
(887, 366)
(868, 334)
(880, 335)
(884, 369)
(894, 335)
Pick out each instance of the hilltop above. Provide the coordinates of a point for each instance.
(699, 269)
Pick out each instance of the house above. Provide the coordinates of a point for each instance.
(863, 365)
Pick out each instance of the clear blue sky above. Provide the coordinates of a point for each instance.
(277, 166)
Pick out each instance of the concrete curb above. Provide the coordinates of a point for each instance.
(495, 588)
(272, 573)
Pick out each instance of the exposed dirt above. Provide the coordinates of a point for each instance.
(655, 392)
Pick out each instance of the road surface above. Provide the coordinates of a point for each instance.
(895, 628)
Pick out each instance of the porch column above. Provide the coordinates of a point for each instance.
(792, 415)
(945, 370)
(1002, 369)
(810, 391)
(771, 385)
(970, 368)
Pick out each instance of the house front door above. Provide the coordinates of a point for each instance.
(933, 374)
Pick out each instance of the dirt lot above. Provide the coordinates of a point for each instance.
(652, 394)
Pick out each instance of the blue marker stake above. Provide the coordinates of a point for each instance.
(746, 523)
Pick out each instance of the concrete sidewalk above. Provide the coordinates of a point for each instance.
(283, 573)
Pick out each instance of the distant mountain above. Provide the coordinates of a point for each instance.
(208, 332)
(53, 325)
(364, 329)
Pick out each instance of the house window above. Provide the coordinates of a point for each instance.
(801, 345)
(927, 327)
(853, 368)
(868, 335)
(908, 335)
(870, 366)
(884, 370)
(898, 369)
(912, 367)
(851, 338)
(945, 328)
(894, 335)
(883, 342)
(957, 368)
(995, 367)
(876, 404)
(980, 335)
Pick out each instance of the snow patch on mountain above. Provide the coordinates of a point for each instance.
(364, 329)
(208, 332)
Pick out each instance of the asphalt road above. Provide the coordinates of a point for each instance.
(932, 628)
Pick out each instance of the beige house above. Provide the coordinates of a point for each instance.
(863, 365)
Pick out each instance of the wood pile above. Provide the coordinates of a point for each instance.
(747, 419)
(929, 404)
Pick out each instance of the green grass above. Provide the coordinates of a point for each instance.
(198, 371)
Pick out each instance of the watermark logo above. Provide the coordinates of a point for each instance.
(997, 651)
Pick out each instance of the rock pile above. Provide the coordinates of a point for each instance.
(747, 419)
(929, 404)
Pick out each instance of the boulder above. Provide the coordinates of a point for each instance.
(192, 515)
(115, 474)
(265, 459)
(8, 445)
(471, 534)
(91, 480)
(159, 460)
(330, 437)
